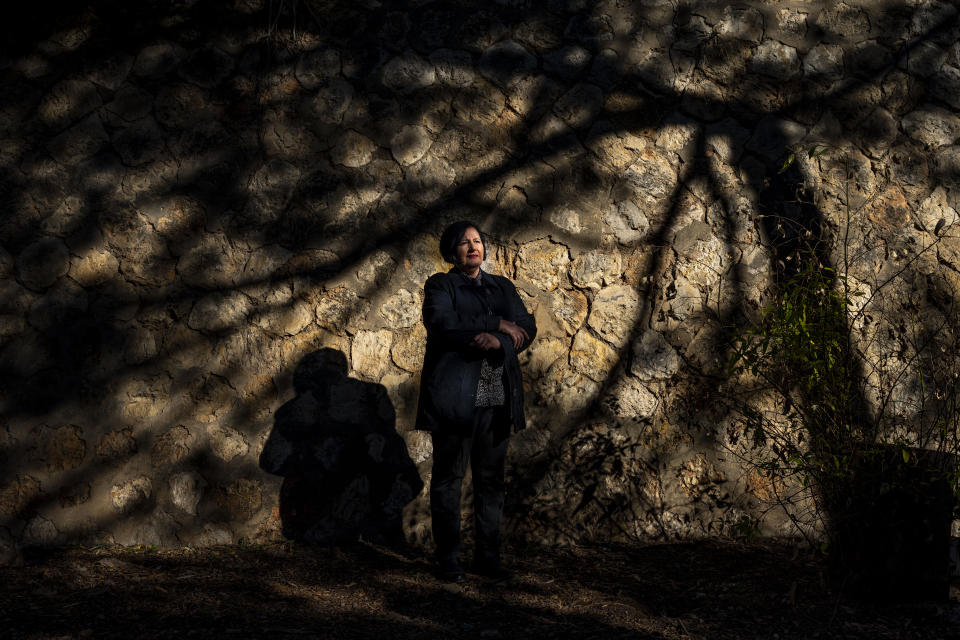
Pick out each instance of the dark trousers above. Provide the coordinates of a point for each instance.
(486, 448)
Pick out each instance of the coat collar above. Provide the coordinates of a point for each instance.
(463, 280)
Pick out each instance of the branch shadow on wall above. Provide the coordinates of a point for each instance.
(282, 195)
(731, 311)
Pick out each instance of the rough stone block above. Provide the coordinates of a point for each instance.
(932, 126)
(700, 252)
(923, 59)
(42, 263)
(867, 58)
(841, 20)
(824, 63)
(62, 449)
(567, 62)
(481, 104)
(945, 85)
(180, 106)
(370, 353)
(727, 138)
(567, 219)
(453, 68)
(410, 143)
(39, 532)
(111, 71)
(889, 210)
(131, 495)
(283, 315)
(742, 23)
(629, 399)
(156, 59)
(569, 309)
(318, 66)
(543, 264)
(139, 143)
(68, 101)
(171, 447)
(929, 16)
(776, 60)
(129, 104)
(531, 95)
(94, 267)
(226, 443)
(877, 132)
(117, 445)
(506, 62)
(408, 348)
(419, 446)
(209, 398)
(580, 106)
(341, 310)
(18, 496)
(542, 354)
(594, 269)
(353, 150)
(566, 390)
(217, 312)
(186, 490)
(408, 72)
(947, 163)
(240, 499)
(331, 102)
(80, 142)
(653, 357)
(652, 174)
(210, 262)
(402, 309)
(614, 313)
(791, 26)
(592, 357)
(213, 535)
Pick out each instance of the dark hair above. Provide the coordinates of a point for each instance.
(452, 236)
(319, 368)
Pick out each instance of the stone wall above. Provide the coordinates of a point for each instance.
(196, 198)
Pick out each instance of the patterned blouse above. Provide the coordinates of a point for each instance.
(490, 391)
(490, 388)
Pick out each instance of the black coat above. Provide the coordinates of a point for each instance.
(455, 310)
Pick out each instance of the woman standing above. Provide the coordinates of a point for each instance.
(470, 394)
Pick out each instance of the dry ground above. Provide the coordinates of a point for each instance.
(711, 590)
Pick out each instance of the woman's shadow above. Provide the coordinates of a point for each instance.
(346, 472)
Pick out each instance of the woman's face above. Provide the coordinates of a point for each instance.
(469, 251)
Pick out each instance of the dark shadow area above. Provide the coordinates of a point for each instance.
(346, 472)
(717, 590)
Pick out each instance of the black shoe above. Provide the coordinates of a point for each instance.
(453, 577)
(451, 571)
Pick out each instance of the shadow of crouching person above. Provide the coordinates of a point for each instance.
(346, 472)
